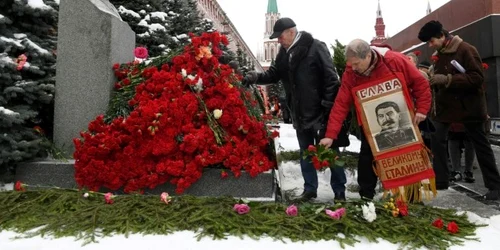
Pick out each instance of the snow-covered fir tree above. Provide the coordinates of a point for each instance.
(28, 37)
(162, 25)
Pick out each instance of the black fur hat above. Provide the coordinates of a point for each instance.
(430, 29)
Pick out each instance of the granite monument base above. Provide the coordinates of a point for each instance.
(53, 173)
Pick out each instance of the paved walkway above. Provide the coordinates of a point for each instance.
(468, 196)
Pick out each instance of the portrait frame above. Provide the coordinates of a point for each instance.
(366, 99)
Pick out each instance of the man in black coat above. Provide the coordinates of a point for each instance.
(305, 67)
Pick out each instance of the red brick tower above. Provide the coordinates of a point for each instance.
(379, 28)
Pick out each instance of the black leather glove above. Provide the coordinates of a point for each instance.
(250, 78)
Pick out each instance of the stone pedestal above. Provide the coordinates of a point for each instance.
(91, 38)
(61, 174)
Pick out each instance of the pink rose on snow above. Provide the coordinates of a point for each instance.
(241, 208)
(292, 210)
(337, 214)
(165, 197)
(108, 197)
(141, 52)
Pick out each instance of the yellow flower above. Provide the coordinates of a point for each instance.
(217, 113)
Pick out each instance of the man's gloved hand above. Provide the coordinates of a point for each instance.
(440, 79)
(250, 78)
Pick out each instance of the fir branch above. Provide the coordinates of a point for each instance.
(62, 213)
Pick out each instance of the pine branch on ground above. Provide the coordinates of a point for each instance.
(62, 213)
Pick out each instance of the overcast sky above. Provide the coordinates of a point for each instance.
(327, 20)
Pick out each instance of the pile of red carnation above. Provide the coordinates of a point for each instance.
(187, 115)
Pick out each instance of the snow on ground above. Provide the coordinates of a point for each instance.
(291, 170)
(187, 241)
(184, 240)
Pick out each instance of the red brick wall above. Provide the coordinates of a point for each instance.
(452, 15)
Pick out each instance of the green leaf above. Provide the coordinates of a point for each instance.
(339, 163)
(320, 209)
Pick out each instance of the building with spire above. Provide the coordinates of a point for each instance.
(270, 46)
(213, 11)
(429, 10)
(379, 28)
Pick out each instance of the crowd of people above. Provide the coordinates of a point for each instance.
(449, 104)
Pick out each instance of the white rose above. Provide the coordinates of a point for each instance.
(217, 113)
(183, 73)
(199, 85)
(369, 212)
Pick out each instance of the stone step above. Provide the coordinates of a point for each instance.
(54, 173)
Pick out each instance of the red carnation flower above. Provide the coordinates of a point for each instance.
(311, 148)
(39, 130)
(485, 66)
(316, 163)
(19, 186)
(223, 174)
(403, 208)
(275, 134)
(434, 58)
(325, 163)
(452, 227)
(438, 223)
(417, 52)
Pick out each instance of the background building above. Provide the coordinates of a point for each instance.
(270, 46)
(379, 28)
(213, 11)
(478, 23)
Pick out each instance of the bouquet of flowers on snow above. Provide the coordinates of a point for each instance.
(172, 118)
(322, 157)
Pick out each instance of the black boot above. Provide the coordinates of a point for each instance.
(305, 197)
(492, 195)
(469, 177)
(339, 196)
(455, 176)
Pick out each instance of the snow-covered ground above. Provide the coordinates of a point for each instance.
(291, 170)
(488, 235)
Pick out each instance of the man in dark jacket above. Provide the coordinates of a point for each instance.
(459, 97)
(305, 67)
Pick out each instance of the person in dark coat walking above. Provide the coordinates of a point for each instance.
(458, 83)
(305, 67)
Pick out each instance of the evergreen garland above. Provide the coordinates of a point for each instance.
(62, 213)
